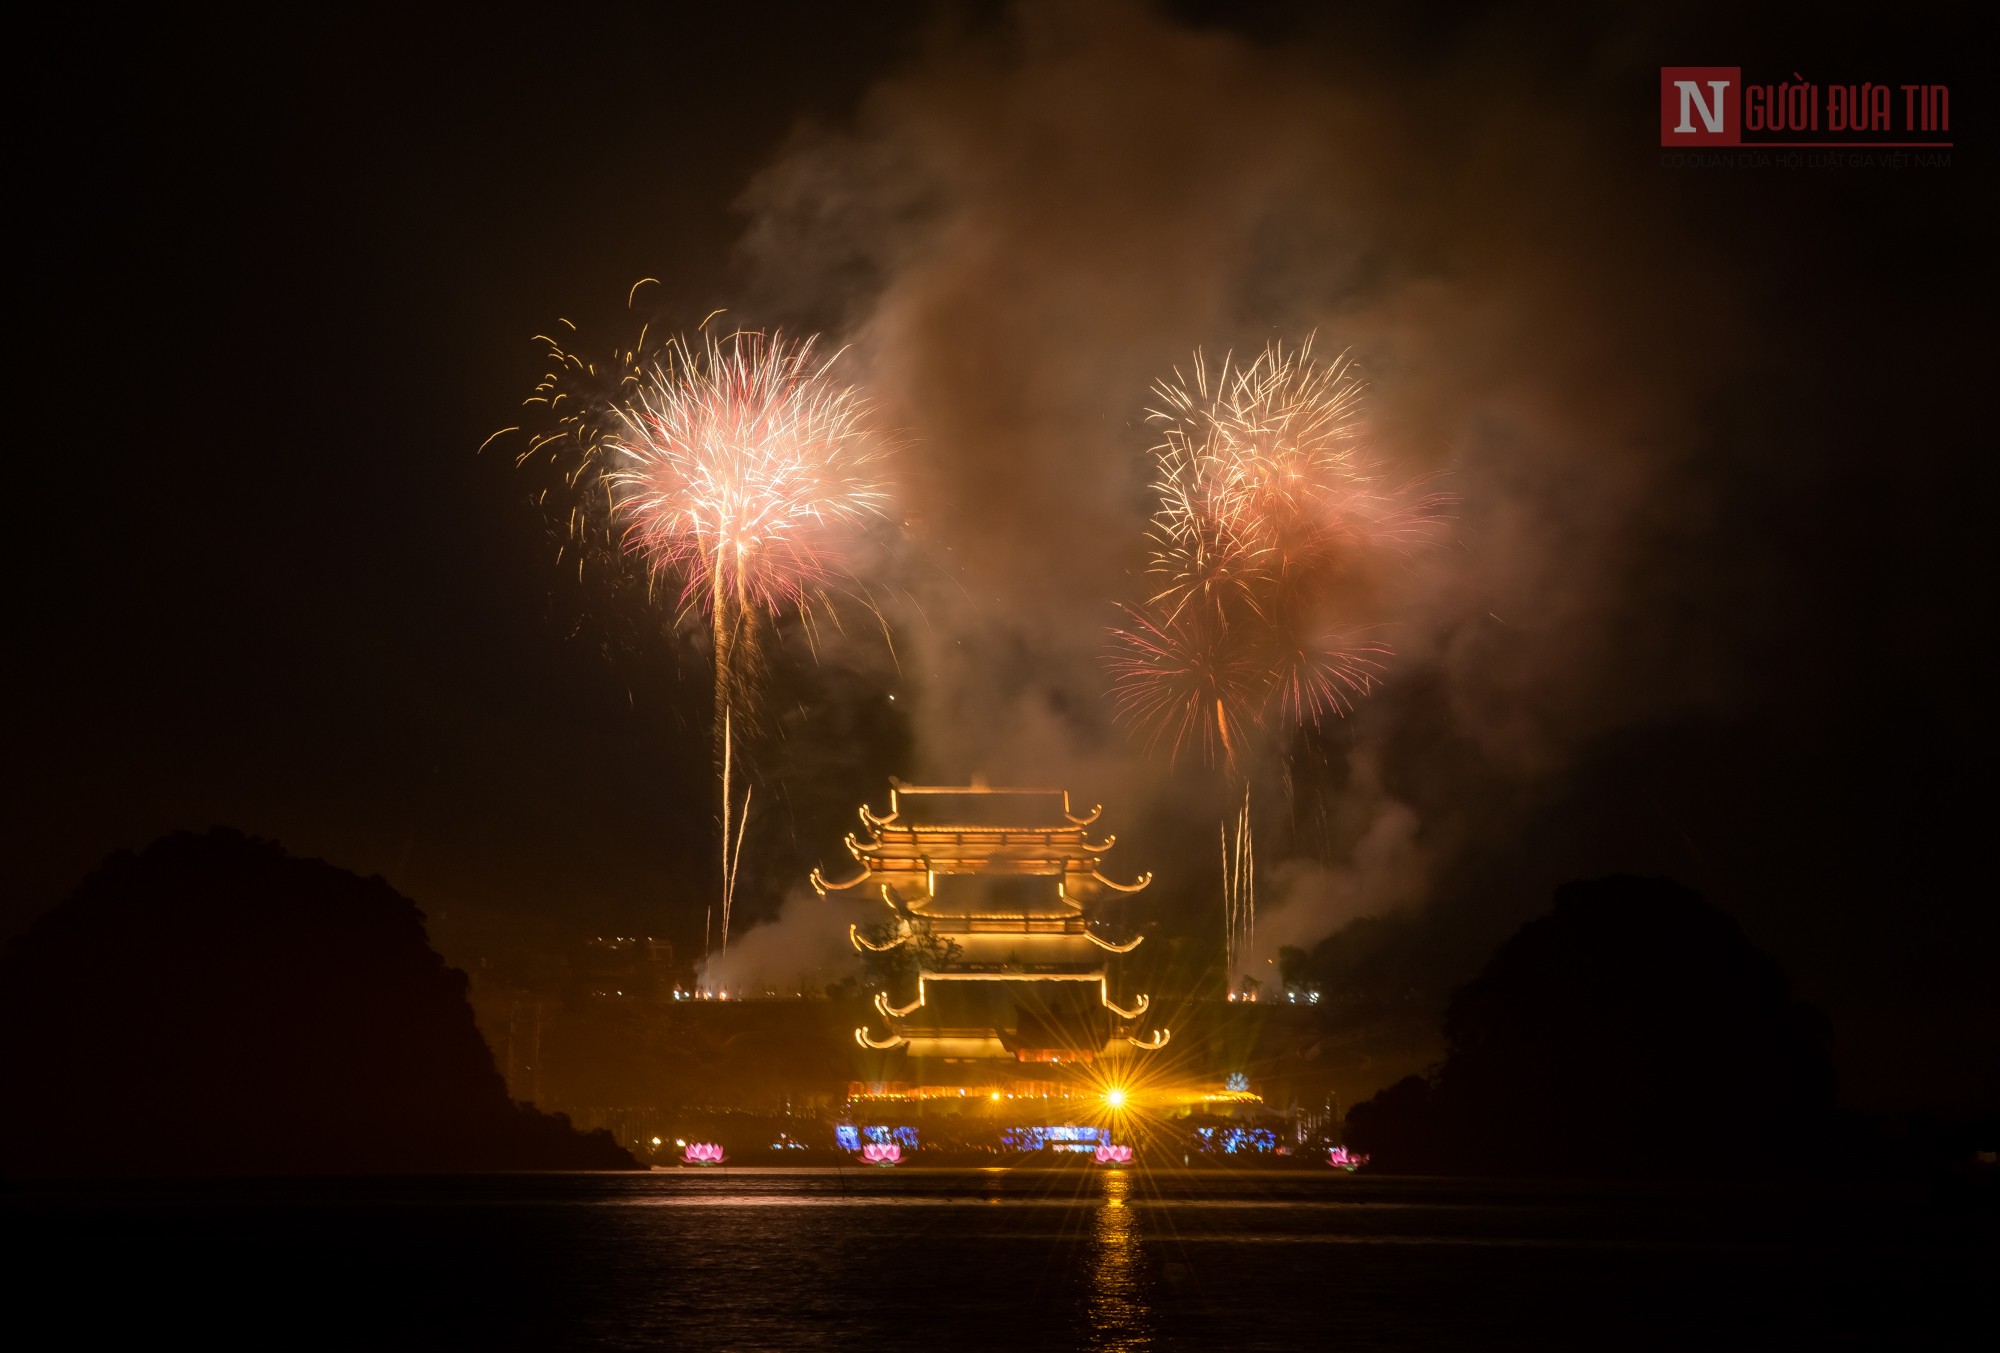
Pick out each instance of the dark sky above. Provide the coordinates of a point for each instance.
(281, 283)
(285, 592)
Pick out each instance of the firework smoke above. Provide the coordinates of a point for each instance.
(1271, 513)
(1040, 213)
(1024, 229)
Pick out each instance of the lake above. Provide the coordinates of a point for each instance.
(887, 1260)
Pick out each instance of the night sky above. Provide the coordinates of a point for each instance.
(1722, 440)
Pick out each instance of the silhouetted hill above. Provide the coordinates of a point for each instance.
(1632, 1031)
(212, 1005)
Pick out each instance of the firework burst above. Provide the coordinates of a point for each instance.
(1271, 510)
(742, 471)
(742, 474)
(1185, 681)
(1269, 505)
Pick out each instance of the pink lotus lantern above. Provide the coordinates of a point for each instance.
(1340, 1158)
(1108, 1154)
(882, 1153)
(702, 1153)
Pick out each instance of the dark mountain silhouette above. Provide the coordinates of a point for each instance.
(1633, 1031)
(213, 1005)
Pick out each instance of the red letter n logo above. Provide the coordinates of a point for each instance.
(1700, 105)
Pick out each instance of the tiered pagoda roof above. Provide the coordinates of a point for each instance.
(1002, 884)
(933, 830)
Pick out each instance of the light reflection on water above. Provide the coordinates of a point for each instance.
(1104, 1259)
(1119, 1317)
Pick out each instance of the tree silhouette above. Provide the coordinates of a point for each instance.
(213, 1005)
(1632, 1031)
(1397, 1129)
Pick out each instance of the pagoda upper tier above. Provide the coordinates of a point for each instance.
(933, 830)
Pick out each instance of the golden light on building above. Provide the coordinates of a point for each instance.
(995, 904)
(996, 939)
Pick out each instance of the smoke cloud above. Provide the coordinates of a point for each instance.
(802, 950)
(1022, 231)
(1385, 869)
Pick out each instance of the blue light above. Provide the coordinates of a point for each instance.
(1073, 1134)
(1232, 1141)
(1063, 1137)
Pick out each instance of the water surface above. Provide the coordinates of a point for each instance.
(970, 1259)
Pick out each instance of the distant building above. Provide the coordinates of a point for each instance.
(626, 967)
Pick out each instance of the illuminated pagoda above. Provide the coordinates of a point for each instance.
(995, 933)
